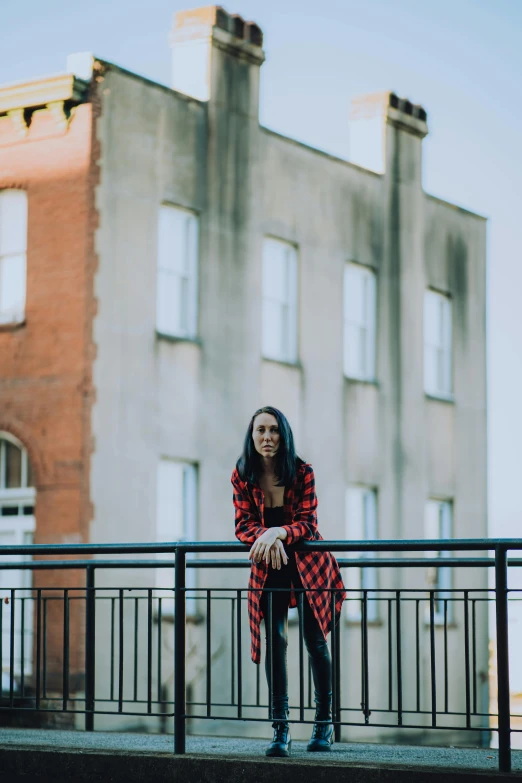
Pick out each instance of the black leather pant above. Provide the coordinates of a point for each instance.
(277, 639)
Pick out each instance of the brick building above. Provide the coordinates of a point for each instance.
(171, 265)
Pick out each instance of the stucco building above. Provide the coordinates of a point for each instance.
(172, 265)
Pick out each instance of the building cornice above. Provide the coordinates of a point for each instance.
(56, 93)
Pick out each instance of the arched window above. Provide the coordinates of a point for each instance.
(16, 479)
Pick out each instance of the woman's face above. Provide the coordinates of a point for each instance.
(266, 435)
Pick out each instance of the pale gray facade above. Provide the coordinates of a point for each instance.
(192, 399)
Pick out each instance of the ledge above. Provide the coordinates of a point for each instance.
(450, 399)
(24, 95)
(363, 381)
(55, 755)
(173, 338)
(13, 326)
(293, 365)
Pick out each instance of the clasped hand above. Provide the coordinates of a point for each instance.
(270, 548)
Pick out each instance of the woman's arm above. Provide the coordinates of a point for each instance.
(304, 524)
(248, 528)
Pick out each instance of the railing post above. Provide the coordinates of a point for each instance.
(501, 607)
(90, 609)
(179, 651)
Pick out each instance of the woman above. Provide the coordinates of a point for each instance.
(275, 508)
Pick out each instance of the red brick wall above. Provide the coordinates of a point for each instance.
(46, 365)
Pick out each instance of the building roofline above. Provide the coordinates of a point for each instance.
(150, 82)
(19, 95)
(323, 153)
(456, 207)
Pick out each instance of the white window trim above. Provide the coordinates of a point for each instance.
(288, 348)
(361, 579)
(15, 314)
(187, 276)
(190, 510)
(441, 529)
(442, 385)
(367, 356)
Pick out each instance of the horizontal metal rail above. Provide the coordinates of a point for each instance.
(138, 621)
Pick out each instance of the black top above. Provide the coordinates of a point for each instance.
(274, 517)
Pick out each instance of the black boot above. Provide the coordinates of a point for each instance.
(323, 732)
(281, 742)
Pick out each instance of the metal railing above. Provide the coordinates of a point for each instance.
(125, 628)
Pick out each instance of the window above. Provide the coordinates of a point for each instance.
(279, 301)
(13, 249)
(176, 313)
(361, 525)
(175, 521)
(17, 525)
(437, 344)
(359, 322)
(438, 524)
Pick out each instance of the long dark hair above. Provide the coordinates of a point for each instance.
(249, 463)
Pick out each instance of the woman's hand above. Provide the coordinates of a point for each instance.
(261, 548)
(277, 553)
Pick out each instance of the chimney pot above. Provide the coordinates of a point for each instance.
(253, 33)
(222, 19)
(237, 26)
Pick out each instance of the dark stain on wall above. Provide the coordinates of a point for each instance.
(457, 260)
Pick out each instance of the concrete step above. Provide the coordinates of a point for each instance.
(105, 756)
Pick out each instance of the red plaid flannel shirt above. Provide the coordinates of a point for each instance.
(318, 570)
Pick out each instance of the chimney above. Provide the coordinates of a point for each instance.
(200, 36)
(374, 123)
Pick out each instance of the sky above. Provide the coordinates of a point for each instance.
(460, 59)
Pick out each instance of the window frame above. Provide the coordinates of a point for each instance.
(443, 581)
(15, 314)
(366, 371)
(190, 483)
(287, 352)
(438, 379)
(362, 579)
(187, 277)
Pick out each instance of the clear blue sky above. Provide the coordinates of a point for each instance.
(461, 59)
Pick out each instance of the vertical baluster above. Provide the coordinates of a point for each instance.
(38, 643)
(474, 652)
(65, 671)
(179, 651)
(136, 644)
(432, 660)
(12, 649)
(301, 598)
(159, 649)
(270, 654)
(466, 658)
(390, 656)
(149, 650)
(209, 653)
(446, 670)
(239, 660)
(90, 647)
(120, 651)
(22, 648)
(417, 651)
(113, 644)
(233, 655)
(44, 674)
(398, 655)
